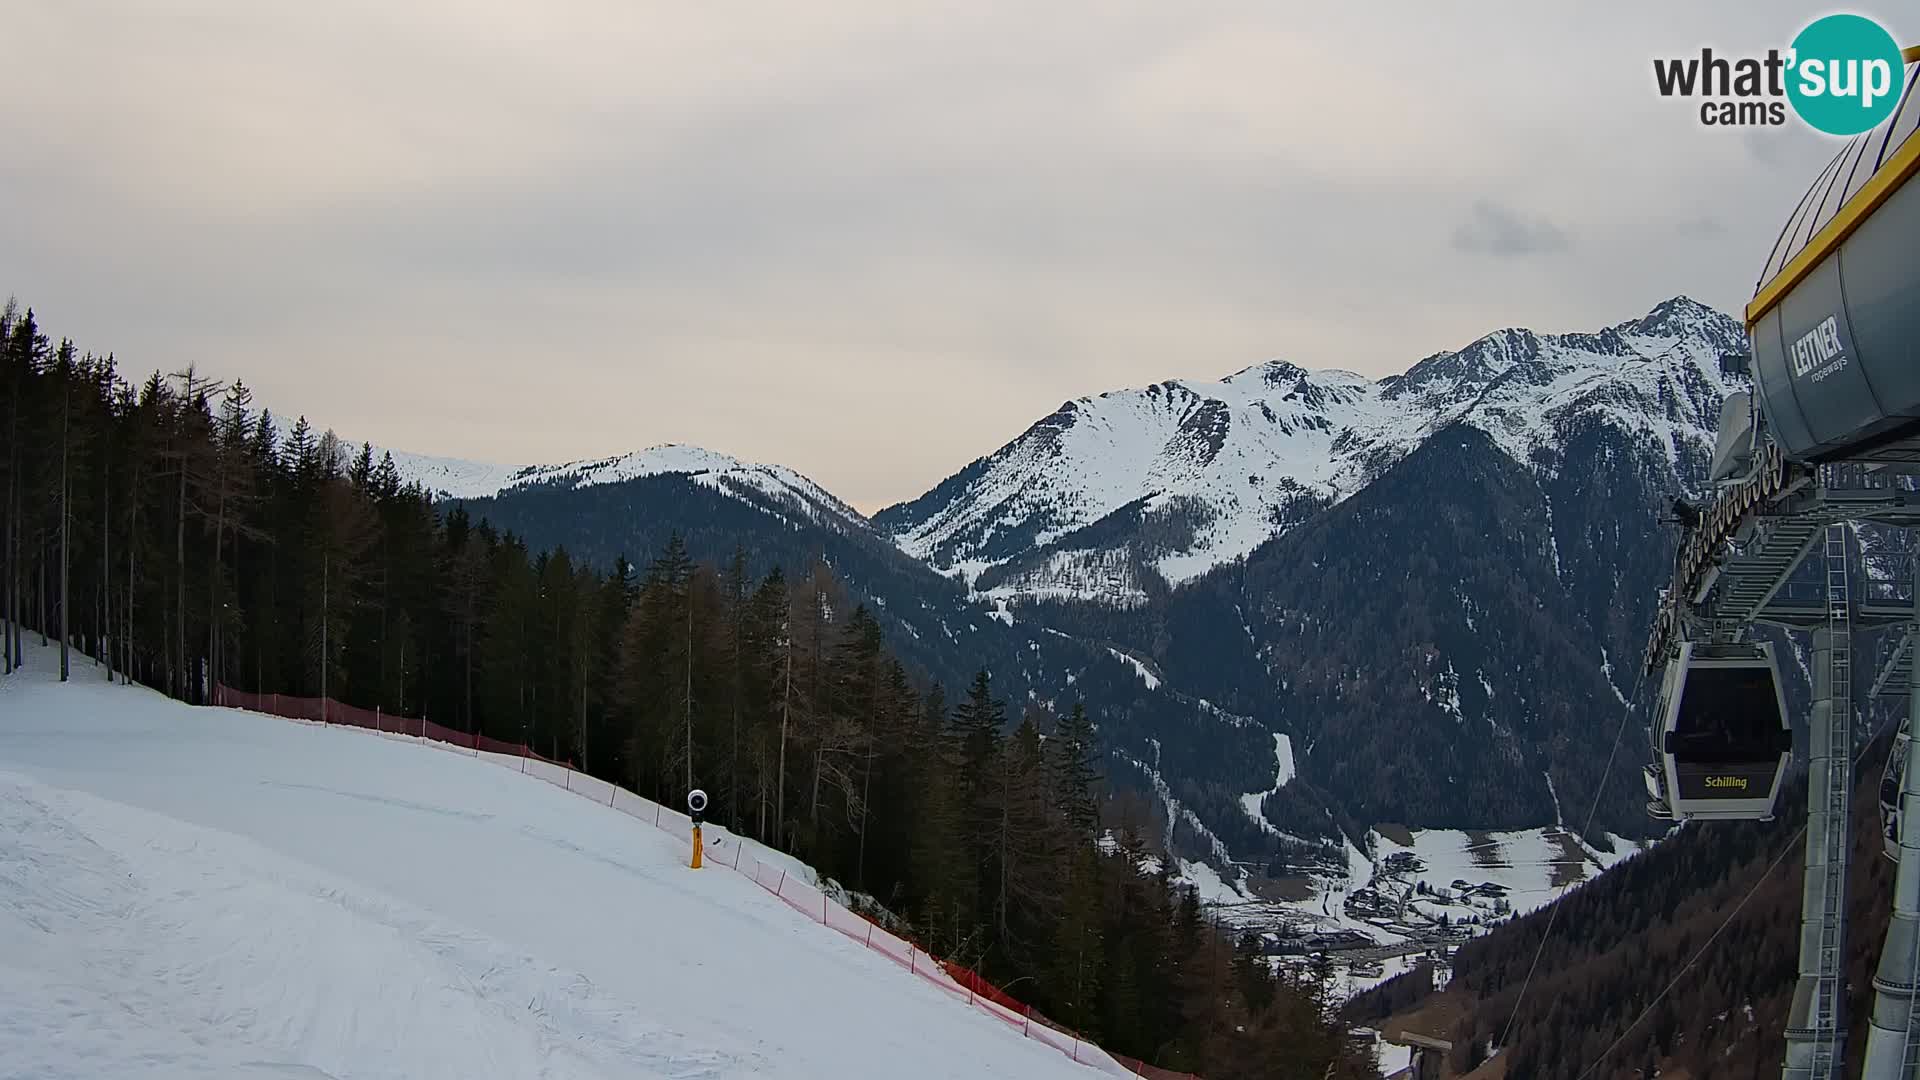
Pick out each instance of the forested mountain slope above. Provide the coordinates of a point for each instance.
(1433, 585)
(1622, 938)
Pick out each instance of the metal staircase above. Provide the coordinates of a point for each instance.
(1756, 573)
(1897, 673)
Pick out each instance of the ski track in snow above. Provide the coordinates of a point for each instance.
(1284, 771)
(198, 892)
(209, 938)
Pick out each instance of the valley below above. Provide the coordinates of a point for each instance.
(1417, 895)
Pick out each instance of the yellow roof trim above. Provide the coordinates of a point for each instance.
(1911, 56)
(1894, 173)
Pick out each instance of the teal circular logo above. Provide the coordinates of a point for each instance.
(1845, 74)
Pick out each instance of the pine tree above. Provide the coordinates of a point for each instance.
(226, 492)
(65, 373)
(14, 384)
(770, 672)
(1029, 848)
(192, 453)
(938, 854)
(1078, 953)
(1076, 771)
(977, 722)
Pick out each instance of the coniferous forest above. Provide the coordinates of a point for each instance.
(1679, 961)
(162, 530)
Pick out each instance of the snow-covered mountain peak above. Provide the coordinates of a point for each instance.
(1678, 317)
(452, 478)
(458, 479)
(1187, 474)
(1268, 373)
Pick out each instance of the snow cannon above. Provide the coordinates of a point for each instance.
(696, 806)
(1835, 317)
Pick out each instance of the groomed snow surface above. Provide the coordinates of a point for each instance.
(197, 892)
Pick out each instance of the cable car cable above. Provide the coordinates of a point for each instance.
(1553, 913)
(1785, 850)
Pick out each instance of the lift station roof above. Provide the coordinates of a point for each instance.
(1835, 319)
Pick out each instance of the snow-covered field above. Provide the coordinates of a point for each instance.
(1523, 863)
(1532, 866)
(1348, 983)
(204, 892)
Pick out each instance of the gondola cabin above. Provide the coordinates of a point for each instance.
(1723, 742)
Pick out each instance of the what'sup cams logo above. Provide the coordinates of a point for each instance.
(1842, 75)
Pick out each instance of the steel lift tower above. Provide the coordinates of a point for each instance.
(1829, 437)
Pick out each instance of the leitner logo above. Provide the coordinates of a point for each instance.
(1814, 352)
(1843, 75)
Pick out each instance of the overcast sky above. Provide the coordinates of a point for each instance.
(857, 237)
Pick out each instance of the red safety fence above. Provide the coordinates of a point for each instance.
(736, 853)
(329, 711)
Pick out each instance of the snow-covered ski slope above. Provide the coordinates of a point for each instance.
(196, 892)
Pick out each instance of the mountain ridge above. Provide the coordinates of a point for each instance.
(1209, 471)
(458, 478)
(1486, 381)
(1280, 552)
